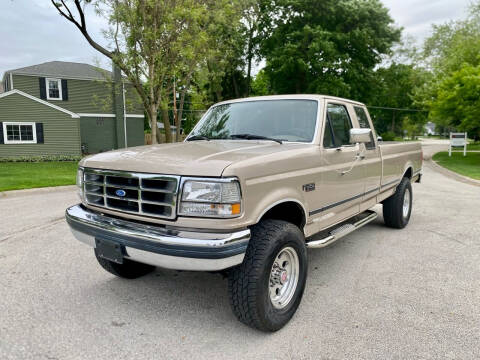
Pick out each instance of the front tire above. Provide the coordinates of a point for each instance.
(128, 270)
(266, 289)
(398, 207)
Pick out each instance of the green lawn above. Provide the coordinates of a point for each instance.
(467, 166)
(470, 147)
(25, 175)
(475, 146)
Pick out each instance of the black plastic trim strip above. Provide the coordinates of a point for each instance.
(163, 249)
(390, 183)
(318, 211)
(371, 191)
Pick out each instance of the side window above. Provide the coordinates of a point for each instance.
(328, 135)
(337, 128)
(364, 124)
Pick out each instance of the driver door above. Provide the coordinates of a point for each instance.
(342, 175)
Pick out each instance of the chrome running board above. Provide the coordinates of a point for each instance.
(326, 237)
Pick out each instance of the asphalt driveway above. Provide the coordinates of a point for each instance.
(378, 293)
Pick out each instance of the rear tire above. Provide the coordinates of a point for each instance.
(266, 289)
(128, 270)
(398, 207)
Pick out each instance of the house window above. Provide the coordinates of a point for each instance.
(54, 89)
(19, 133)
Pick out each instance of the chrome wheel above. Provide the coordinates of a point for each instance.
(284, 277)
(406, 203)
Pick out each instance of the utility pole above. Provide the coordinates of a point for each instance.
(124, 113)
(177, 131)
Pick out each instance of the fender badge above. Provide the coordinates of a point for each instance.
(309, 187)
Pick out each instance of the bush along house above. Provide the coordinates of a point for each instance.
(66, 109)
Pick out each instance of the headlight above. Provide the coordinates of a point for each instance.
(80, 183)
(211, 198)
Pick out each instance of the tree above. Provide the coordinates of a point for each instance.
(257, 18)
(393, 88)
(223, 77)
(261, 85)
(457, 101)
(452, 54)
(327, 46)
(152, 42)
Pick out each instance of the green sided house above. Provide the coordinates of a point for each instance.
(68, 109)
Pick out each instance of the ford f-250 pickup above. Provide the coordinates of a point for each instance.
(256, 183)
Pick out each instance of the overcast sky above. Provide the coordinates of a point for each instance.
(32, 32)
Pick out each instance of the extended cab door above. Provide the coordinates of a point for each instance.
(342, 175)
(372, 160)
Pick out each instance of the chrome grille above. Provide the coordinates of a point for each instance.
(134, 193)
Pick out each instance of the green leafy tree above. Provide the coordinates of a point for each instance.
(457, 101)
(261, 85)
(393, 88)
(327, 46)
(221, 76)
(153, 42)
(452, 54)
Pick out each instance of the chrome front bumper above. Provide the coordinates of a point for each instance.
(154, 245)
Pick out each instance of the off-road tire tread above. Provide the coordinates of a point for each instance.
(392, 207)
(244, 279)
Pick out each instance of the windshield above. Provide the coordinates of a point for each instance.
(285, 120)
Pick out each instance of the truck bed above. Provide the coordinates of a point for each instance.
(397, 156)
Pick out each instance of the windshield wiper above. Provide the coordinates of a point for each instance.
(198, 137)
(254, 137)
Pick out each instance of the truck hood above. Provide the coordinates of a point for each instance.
(199, 158)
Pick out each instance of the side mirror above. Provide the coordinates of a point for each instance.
(360, 136)
(379, 138)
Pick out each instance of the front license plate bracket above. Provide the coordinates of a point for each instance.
(109, 250)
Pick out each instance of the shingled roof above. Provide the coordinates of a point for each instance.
(64, 69)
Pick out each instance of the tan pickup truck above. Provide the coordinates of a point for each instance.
(256, 183)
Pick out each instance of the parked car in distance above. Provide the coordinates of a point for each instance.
(256, 183)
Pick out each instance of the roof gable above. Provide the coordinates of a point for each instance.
(62, 69)
(73, 115)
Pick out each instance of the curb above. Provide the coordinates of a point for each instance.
(452, 174)
(45, 190)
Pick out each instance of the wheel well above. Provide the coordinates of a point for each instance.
(408, 173)
(288, 211)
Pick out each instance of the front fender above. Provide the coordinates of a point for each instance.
(264, 199)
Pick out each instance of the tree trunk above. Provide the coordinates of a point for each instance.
(235, 85)
(178, 122)
(166, 124)
(249, 75)
(249, 58)
(393, 121)
(218, 94)
(159, 137)
(175, 112)
(152, 113)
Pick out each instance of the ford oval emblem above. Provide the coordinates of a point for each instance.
(120, 193)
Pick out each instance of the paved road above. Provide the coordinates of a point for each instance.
(378, 293)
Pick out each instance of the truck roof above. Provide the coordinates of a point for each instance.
(293, 96)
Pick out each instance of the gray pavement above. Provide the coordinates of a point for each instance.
(378, 293)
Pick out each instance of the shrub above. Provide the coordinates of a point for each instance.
(388, 136)
(44, 158)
